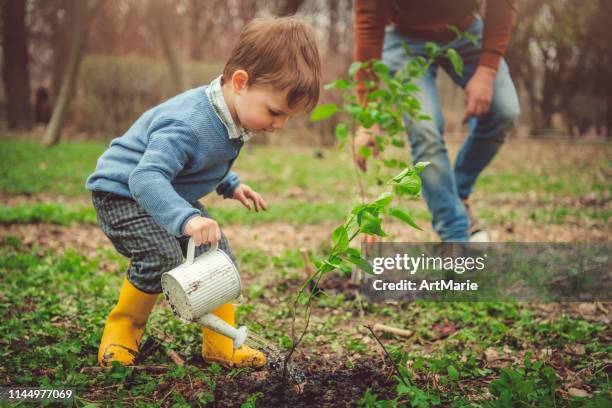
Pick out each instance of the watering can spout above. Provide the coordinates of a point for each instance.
(238, 335)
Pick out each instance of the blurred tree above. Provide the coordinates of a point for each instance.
(598, 41)
(84, 11)
(560, 54)
(50, 23)
(15, 67)
(289, 7)
(62, 20)
(204, 15)
(161, 12)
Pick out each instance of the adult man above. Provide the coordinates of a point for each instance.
(491, 100)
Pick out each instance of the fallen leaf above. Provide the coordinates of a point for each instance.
(491, 354)
(577, 392)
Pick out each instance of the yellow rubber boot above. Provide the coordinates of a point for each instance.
(218, 348)
(125, 326)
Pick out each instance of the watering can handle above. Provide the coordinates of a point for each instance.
(191, 250)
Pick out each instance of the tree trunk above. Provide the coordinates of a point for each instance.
(15, 70)
(77, 46)
(160, 14)
(289, 7)
(195, 46)
(332, 35)
(609, 114)
(61, 31)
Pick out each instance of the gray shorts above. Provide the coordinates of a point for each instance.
(151, 249)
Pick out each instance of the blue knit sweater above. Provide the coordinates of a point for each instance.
(174, 154)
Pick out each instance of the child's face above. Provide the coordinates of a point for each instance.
(262, 109)
(258, 108)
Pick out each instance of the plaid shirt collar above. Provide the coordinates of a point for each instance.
(215, 95)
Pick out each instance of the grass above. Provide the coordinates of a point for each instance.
(27, 167)
(54, 307)
(54, 213)
(304, 188)
(295, 212)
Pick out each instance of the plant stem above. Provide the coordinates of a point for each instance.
(397, 371)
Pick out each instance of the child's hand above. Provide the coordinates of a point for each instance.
(203, 230)
(244, 193)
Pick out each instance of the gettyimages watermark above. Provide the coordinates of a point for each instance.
(529, 272)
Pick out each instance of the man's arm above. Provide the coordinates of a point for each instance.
(370, 21)
(497, 28)
(150, 182)
(498, 20)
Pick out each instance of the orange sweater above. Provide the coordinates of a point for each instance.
(428, 19)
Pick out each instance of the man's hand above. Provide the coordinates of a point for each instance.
(244, 193)
(365, 137)
(202, 230)
(479, 92)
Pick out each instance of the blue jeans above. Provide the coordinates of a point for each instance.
(443, 186)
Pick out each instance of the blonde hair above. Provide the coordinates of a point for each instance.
(280, 52)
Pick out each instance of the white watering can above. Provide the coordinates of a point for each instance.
(197, 287)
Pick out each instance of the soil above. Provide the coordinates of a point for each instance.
(318, 381)
(275, 238)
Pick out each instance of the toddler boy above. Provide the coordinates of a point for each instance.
(147, 184)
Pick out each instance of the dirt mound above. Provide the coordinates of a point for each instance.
(315, 382)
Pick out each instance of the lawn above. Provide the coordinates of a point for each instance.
(59, 277)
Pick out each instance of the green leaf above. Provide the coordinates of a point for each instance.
(453, 374)
(471, 38)
(380, 142)
(411, 184)
(365, 118)
(384, 199)
(407, 49)
(454, 30)
(323, 111)
(431, 49)
(420, 166)
(364, 151)
(340, 238)
(360, 263)
(358, 208)
(391, 163)
(341, 132)
(456, 60)
(370, 223)
(339, 84)
(333, 265)
(353, 252)
(398, 142)
(403, 389)
(400, 176)
(355, 66)
(380, 67)
(399, 214)
(377, 94)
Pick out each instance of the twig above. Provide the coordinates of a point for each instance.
(175, 357)
(172, 355)
(166, 396)
(296, 342)
(148, 368)
(400, 376)
(392, 330)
